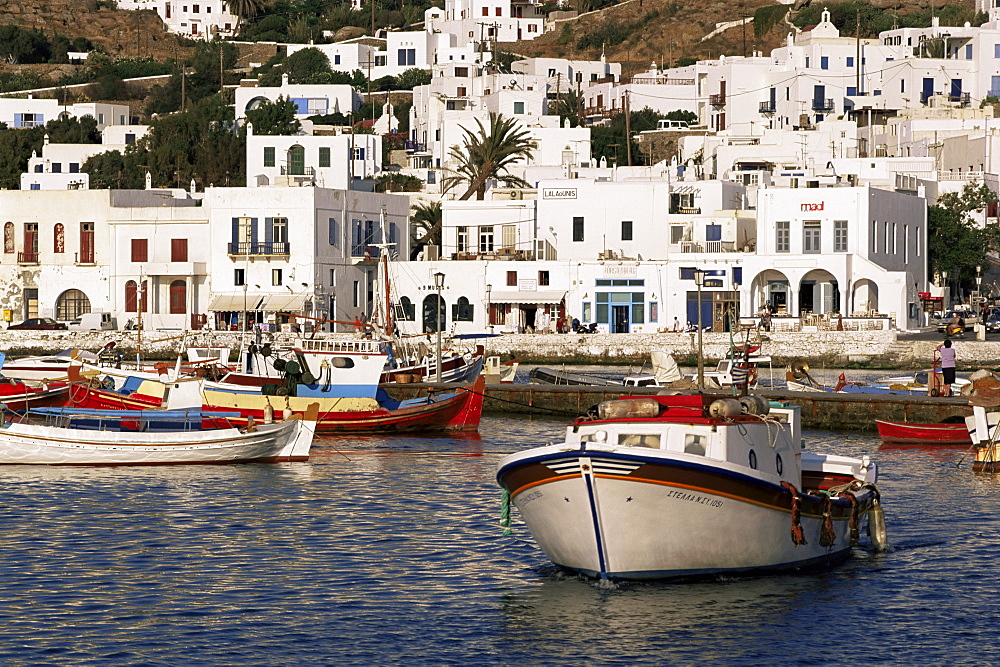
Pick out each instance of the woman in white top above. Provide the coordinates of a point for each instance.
(947, 354)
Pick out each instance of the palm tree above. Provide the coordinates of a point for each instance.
(425, 226)
(245, 9)
(483, 156)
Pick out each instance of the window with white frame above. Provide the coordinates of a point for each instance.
(840, 235)
(811, 231)
(782, 236)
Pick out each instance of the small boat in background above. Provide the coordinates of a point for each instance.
(904, 433)
(675, 486)
(70, 436)
(46, 367)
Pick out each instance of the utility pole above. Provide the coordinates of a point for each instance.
(558, 100)
(857, 59)
(628, 131)
(221, 77)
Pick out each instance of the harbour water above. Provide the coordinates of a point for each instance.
(387, 550)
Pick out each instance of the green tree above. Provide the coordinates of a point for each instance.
(487, 155)
(398, 183)
(411, 78)
(610, 141)
(955, 243)
(274, 118)
(425, 227)
(200, 144)
(245, 9)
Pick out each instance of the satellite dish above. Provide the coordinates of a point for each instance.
(513, 82)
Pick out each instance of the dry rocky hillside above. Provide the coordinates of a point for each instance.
(635, 32)
(666, 30)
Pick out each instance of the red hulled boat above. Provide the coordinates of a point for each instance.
(903, 433)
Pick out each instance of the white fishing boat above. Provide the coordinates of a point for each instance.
(70, 436)
(691, 485)
(46, 367)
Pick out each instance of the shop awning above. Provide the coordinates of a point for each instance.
(527, 296)
(237, 302)
(285, 303)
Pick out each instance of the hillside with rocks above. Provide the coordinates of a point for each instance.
(639, 32)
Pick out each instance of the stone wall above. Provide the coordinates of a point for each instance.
(832, 349)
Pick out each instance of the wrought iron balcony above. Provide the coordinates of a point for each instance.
(823, 105)
(717, 100)
(27, 258)
(767, 107)
(257, 248)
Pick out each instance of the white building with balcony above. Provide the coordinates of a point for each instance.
(328, 158)
(308, 251)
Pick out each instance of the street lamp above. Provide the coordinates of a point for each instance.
(699, 280)
(979, 278)
(947, 292)
(438, 284)
(489, 316)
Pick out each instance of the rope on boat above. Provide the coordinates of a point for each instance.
(853, 522)
(798, 537)
(505, 512)
(827, 535)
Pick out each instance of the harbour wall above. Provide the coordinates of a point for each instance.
(820, 410)
(830, 349)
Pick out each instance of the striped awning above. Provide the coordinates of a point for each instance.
(527, 296)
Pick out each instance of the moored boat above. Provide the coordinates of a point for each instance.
(905, 433)
(691, 485)
(69, 436)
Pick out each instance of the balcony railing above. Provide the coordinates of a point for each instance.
(249, 248)
(301, 171)
(416, 147)
(717, 100)
(27, 258)
(767, 107)
(825, 106)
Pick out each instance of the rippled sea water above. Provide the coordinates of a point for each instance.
(388, 550)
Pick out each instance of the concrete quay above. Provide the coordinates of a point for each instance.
(820, 410)
(830, 349)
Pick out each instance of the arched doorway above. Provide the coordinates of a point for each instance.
(771, 286)
(432, 324)
(864, 296)
(819, 293)
(71, 304)
(178, 297)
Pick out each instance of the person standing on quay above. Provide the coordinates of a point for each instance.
(947, 353)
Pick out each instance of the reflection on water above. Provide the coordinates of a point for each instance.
(388, 549)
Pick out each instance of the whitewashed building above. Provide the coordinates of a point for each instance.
(309, 99)
(328, 159)
(195, 19)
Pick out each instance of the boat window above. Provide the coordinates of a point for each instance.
(694, 444)
(596, 436)
(723, 366)
(342, 362)
(651, 440)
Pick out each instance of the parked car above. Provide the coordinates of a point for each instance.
(993, 319)
(971, 319)
(38, 323)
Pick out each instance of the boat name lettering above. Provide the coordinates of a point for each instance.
(528, 497)
(695, 498)
(557, 193)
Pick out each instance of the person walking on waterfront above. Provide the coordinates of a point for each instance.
(947, 354)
